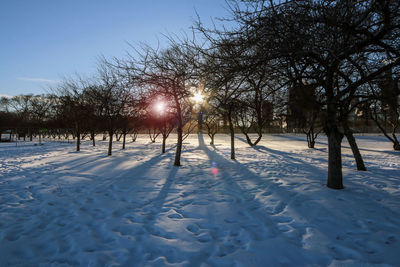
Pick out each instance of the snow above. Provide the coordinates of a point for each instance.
(270, 207)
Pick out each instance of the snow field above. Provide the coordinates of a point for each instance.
(270, 207)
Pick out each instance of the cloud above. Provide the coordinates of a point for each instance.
(41, 80)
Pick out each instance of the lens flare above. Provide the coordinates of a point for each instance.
(160, 106)
(198, 97)
(214, 169)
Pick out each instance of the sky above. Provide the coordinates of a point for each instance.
(43, 41)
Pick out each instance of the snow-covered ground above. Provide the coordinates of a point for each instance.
(270, 207)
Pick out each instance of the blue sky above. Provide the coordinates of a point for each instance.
(42, 41)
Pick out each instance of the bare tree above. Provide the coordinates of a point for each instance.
(328, 37)
(171, 72)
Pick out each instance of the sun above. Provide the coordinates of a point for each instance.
(160, 106)
(198, 97)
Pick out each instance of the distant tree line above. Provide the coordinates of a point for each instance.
(297, 66)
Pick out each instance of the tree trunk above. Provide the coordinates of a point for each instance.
(110, 134)
(310, 140)
(396, 146)
(354, 148)
(249, 140)
(163, 144)
(78, 140)
(123, 139)
(92, 136)
(177, 161)
(232, 132)
(134, 136)
(212, 139)
(335, 177)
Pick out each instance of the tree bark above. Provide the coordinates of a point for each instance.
(335, 176)
(177, 161)
(110, 134)
(310, 140)
(163, 144)
(249, 140)
(232, 132)
(92, 136)
(78, 140)
(123, 140)
(354, 148)
(396, 146)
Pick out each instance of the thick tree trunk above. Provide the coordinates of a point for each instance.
(335, 177)
(163, 144)
(110, 135)
(354, 148)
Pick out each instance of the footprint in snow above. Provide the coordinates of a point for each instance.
(283, 219)
(175, 216)
(204, 237)
(193, 229)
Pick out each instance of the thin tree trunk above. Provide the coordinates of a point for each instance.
(396, 146)
(177, 161)
(78, 140)
(110, 133)
(354, 148)
(93, 138)
(310, 140)
(123, 140)
(311, 137)
(212, 139)
(232, 132)
(134, 136)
